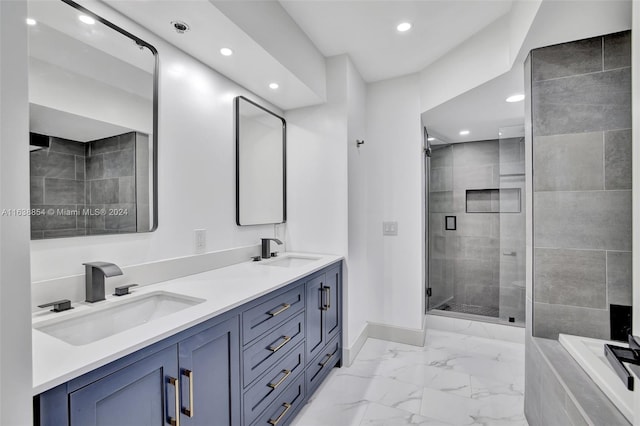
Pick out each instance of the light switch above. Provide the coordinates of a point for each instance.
(389, 228)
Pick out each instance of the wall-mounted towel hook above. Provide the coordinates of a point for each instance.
(359, 142)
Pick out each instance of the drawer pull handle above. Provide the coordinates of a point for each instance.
(176, 384)
(284, 342)
(189, 375)
(286, 406)
(322, 364)
(275, 385)
(285, 306)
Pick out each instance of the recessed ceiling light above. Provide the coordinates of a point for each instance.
(404, 26)
(464, 132)
(31, 21)
(515, 98)
(225, 51)
(274, 86)
(87, 19)
(180, 26)
(430, 139)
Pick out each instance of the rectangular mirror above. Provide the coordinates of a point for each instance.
(93, 123)
(260, 165)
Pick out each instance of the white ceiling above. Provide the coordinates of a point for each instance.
(251, 65)
(62, 124)
(483, 111)
(366, 30)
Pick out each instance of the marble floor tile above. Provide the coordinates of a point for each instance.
(454, 379)
(381, 415)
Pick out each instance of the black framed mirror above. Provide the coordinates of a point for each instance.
(261, 154)
(93, 106)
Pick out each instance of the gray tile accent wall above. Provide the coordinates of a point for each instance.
(58, 189)
(571, 277)
(70, 177)
(558, 392)
(111, 179)
(581, 124)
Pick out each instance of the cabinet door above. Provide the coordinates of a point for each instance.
(315, 333)
(332, 305)
(210, 376)
(141, 394)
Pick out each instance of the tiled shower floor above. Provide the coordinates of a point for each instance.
(454, 379)
(469, 309)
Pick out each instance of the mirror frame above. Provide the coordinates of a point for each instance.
(284, 160)
(156, 68)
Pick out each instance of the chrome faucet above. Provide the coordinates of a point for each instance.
(266, 246)
(95, 273)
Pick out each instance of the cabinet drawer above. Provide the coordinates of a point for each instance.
(322, 364)
(265, 352)
(267, 389)
(284, 407)
(259, 319)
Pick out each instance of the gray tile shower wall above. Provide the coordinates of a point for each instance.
(581, 123)
(70, 178)
(111, 184)
(57, 189)
(466, 265)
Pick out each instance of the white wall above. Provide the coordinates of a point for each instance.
(328, 201)
(394, 178)
(358, 294)
(15, 292)
(317, 169)
(196, 150)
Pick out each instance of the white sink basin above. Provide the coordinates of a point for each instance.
(290, 261)
(114, 317)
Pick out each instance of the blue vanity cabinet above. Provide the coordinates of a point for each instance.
(256, 364)
(323, 309)
(194, 375)
(210, 376)
(143, 393)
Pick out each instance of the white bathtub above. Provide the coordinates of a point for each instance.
(589, 353)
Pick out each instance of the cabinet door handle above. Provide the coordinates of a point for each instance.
(323, 305)
(284, 342)
(328, 297)
(285, 306)
(286, 406)
(322, 364)
(275, 385)
(176, 385)
(189, 375)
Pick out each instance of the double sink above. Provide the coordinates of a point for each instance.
(106, 319)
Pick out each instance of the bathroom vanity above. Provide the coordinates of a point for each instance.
(252, 343)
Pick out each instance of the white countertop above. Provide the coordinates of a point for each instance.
(56, 362)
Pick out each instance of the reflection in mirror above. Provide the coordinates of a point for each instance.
(260, 165)
(93, 109)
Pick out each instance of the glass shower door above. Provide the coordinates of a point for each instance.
(512, 225)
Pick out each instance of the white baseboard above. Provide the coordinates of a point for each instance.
(392, 333)
(350, 354)
(476, 328)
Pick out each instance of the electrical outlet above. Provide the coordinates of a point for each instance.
(389, 228)
(201, 240)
